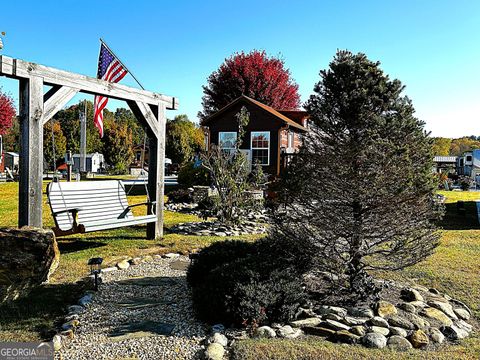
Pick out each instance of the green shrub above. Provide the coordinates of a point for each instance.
(189, 176)
(239, 283)
(180, 196)
(217, 255)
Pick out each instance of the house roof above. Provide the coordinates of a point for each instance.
(445, 159)
(267, 108)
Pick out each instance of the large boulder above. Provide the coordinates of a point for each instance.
(28, 256)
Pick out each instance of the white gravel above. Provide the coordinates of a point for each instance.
(167, 296)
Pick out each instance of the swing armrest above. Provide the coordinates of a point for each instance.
(125, 212)
(74, 211)
(140, 204)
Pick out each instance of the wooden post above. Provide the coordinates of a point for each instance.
(31, 152)
(156, 171)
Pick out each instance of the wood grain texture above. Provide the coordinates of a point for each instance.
(31, 152)
(20, 69)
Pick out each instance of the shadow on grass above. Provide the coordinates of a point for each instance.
(77, 245)
(460, 220)
(36, 315)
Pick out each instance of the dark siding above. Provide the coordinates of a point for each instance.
(260, 120)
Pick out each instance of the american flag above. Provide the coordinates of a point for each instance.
(109, 69)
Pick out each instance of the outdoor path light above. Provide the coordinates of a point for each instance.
(95, 269)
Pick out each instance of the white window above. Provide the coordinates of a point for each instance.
(227, 140)
(260, 145)
(291, 139)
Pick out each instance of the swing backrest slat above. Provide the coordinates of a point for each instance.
(96, 200)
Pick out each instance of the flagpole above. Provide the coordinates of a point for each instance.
(120, 61)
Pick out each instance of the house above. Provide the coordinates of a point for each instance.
(468, 163)
(444, 164)
(95, 163)
(11, 161)
(271, 138)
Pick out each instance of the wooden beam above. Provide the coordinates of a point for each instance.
(20, 69)
(156, 171)
(31, 152)
(145, 115)
(55, 99)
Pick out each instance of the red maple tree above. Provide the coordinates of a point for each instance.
(255, 75)
(7, 113)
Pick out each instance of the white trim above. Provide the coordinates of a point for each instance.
(254, 133)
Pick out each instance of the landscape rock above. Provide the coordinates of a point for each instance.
(419, 339)
(379, 321)
(85, 300)
(407, 307)
(333, 316)
(288, 332)
(283, 331)
(28, 256)
(361, 312)
(398, 321)
(335, 325)
(75, 309)
(464, 325)
(265, 332)
(384, 308)
(135, 261)
(109, 269)
(394, 330)
(418, 304)
(436, 335)
(461, 304)
(325, 310)
(219, 339)
(214, 351)
(436, 314)
(352, 321)
(313, 321)
(171, 255)
(71, 317)
(411, 294)
(454, 332)
(70, 325)
(398, 343)
(462, 313)
(318, 331)
(304, 313)
(417, 321)
(236, 334)
(346, 337)
(358, 330)
(445, 307)
(123, 265)
(57, 342)
(374, 340)
(380, 330)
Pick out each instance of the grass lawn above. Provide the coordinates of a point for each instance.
(33, 318)
(454, 268)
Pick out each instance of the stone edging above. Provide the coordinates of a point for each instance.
(215, 228)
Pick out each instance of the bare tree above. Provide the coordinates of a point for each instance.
(231, 177)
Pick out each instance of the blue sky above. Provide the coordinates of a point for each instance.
(432, 46)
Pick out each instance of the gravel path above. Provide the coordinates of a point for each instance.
(133, 311)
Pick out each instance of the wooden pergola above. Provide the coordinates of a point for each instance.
(37, 107)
